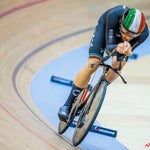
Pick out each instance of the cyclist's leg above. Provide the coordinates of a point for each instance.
(80, 82)
(65, 109)
(111, 75)
(84, 75)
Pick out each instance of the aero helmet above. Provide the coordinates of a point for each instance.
(133, 20)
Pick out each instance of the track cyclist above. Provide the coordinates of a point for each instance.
(119, 27)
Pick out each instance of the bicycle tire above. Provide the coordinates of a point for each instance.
(97, 95)
(63, 125)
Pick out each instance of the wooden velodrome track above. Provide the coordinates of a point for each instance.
(26, 25)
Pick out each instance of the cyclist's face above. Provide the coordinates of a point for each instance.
(126, 35)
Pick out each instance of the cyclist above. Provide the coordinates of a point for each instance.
(120, 27)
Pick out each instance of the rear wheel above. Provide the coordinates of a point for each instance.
(89, 113)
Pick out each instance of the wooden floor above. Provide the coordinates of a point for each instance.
(25, 25)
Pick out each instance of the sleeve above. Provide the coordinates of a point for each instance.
(110, 32)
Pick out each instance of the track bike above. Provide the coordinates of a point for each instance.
(88, 104)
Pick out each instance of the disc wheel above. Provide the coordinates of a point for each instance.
(89, 113)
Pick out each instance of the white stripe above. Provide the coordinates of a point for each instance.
(136, 22)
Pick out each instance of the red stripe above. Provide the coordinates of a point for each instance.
(142, 24)
(147, 145)
(26, 127)
(84, 95)
(21, 7)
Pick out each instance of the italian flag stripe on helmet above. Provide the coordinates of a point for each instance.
(134, 21)
(142, 25)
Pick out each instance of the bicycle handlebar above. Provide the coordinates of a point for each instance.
(110, 54)
(108, 66)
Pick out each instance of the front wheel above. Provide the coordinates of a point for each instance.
(89, 113)
(63, 125)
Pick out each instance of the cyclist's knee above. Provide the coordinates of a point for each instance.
(92, 65)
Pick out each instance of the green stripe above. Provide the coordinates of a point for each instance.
(127, 22)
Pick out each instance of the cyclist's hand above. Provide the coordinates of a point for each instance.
(124, 48)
